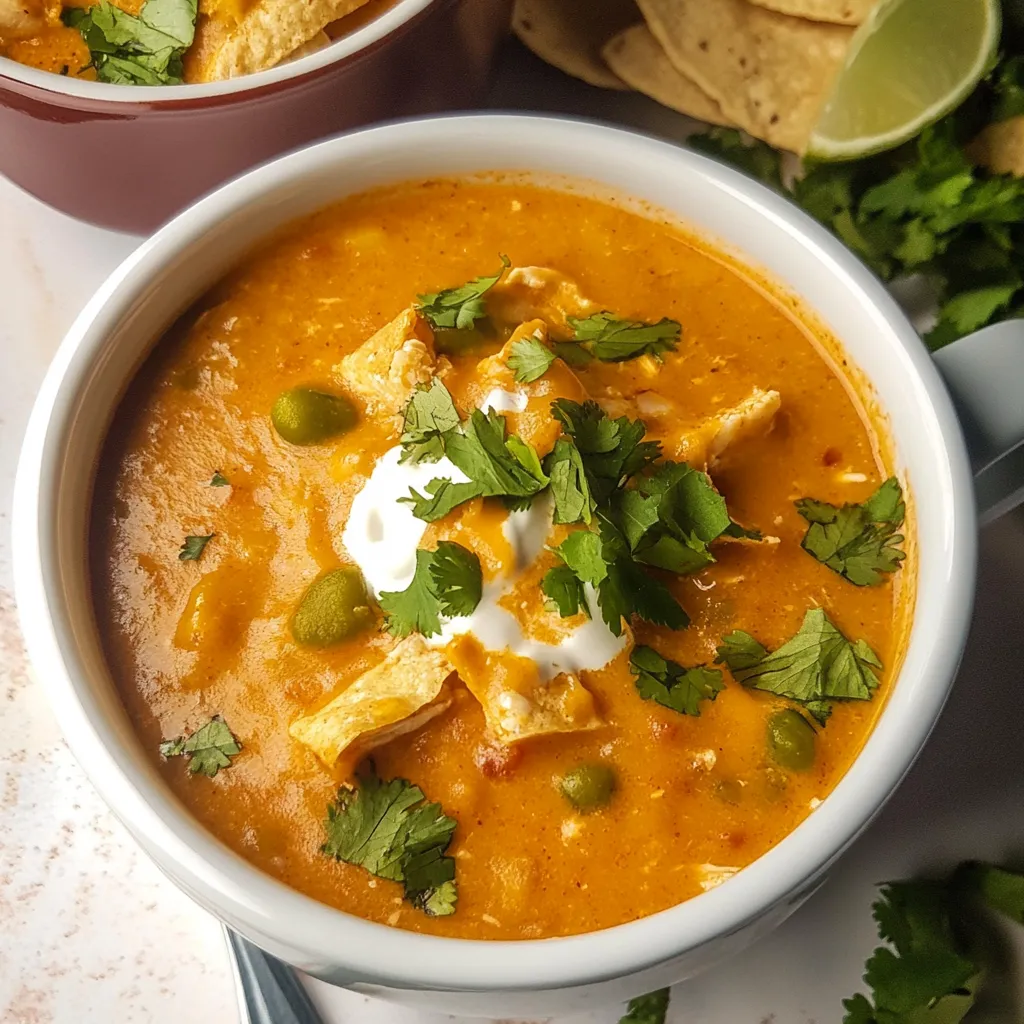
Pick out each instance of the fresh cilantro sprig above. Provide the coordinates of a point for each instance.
(459, 308)
(603, 336)
(496, 465)
(624, 587)
(669, 684)
(529, 359)
(208, 749)
(815, 667)
(430, 414)
(447, 582)
(391, 830)
(136, 50)
(859, 542)
(219, 480)
(924, 208)
(647, 1009)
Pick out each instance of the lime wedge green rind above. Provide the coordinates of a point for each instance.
(910, 63)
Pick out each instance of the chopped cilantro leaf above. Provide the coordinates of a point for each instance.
(817, 664)
(208, 749)
(146, 49)
(613, 340)
(460, 307)
(456, 578)
(857, 541)
(610, 450)
(648, 1009)
(582, 553)
(430, 414)
(530, 359)
(669, 684)
(573, 501)
(564, 589)
(219, 480)
(389, 829)
(497, 466)
(447, 581)
(192, 549)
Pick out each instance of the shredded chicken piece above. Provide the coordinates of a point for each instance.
(401, 694)
(385, 370)
(20, 19)
(526, 293)
(706, 445)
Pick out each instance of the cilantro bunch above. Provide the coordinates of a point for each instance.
(923, 208)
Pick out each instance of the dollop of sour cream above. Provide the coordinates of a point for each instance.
(382, 535)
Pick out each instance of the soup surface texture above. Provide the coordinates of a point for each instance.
(591, 778)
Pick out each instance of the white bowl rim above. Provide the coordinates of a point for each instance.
(379, 28)
(412, 960)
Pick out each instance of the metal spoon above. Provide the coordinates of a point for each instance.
(269, 991)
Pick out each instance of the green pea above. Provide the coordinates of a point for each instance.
(331, 609)
(589, 786)
(791, 740)
(306, 416)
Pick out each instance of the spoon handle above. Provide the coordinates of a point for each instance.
(269, 991)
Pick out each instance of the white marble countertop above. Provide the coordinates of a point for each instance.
(90, 931)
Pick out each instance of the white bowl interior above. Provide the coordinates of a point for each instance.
(118, 328)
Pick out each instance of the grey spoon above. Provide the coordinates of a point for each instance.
(268, 990)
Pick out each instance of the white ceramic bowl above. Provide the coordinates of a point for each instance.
(119, 327)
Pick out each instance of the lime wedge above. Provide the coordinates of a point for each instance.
(909, 64)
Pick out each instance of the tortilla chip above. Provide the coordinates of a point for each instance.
(637, 58)
(385, 370)
(517, 704)
(267, 33)
(396, 697)
(839, 12)
(569, 34)
(770, 73)
(318, 42)
(1000, 147)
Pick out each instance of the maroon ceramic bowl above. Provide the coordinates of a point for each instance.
(128, 157)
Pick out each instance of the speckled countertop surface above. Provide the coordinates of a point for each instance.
(90, 931)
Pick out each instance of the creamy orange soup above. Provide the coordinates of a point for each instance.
(753, 393)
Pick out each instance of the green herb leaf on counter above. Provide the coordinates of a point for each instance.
(817, 664)
(669, 684)
(136, 50)
(192, 549)
(612, 340)
(219, 480)
(430, 414)
(924, 977)
(447, 581)
(924, 208)
(390, 829)
(462, 306)
(648, 1009)
(857, 541)
(529, 360)
(208, 749)
(1000, 889)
